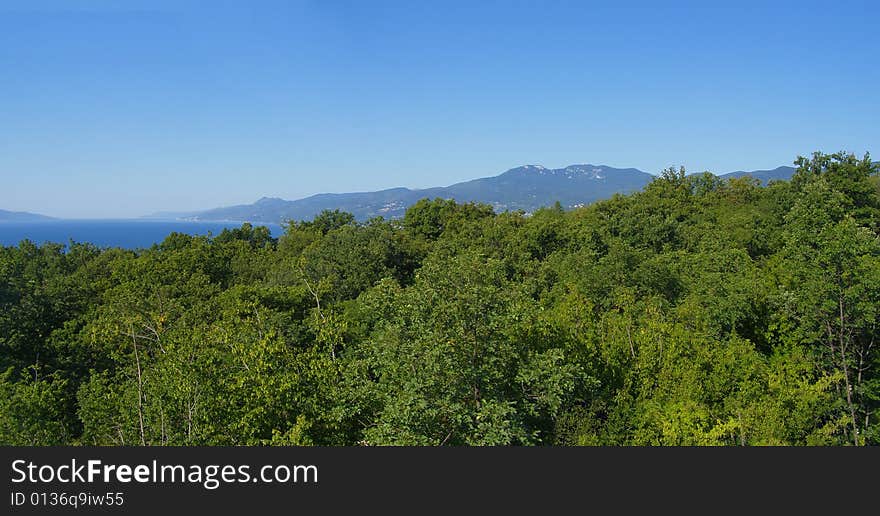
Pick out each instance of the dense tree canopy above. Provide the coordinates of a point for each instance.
(695, 312)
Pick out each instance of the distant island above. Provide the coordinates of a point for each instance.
(525, 188)
(22, 216)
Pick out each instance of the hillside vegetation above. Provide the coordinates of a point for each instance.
(699, 311)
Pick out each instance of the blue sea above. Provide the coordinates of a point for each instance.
(128, 233)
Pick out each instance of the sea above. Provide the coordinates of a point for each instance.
(125, 233)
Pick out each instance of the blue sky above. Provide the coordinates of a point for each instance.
(119, 109)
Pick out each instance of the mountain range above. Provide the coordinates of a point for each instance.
(776, 174)
(524, 188)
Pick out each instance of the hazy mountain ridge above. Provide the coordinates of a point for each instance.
(778, 173)
(526, 188)
(22, 216)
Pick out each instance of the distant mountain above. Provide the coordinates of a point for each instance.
(524, 188)
(22, 216)
(778, 173)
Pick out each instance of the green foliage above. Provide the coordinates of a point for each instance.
(31, 410)
(460, 357)
(430, 218)
(325, 222)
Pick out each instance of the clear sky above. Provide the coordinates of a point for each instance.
(120, 109)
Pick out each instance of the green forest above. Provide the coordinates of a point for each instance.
(698, 311)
